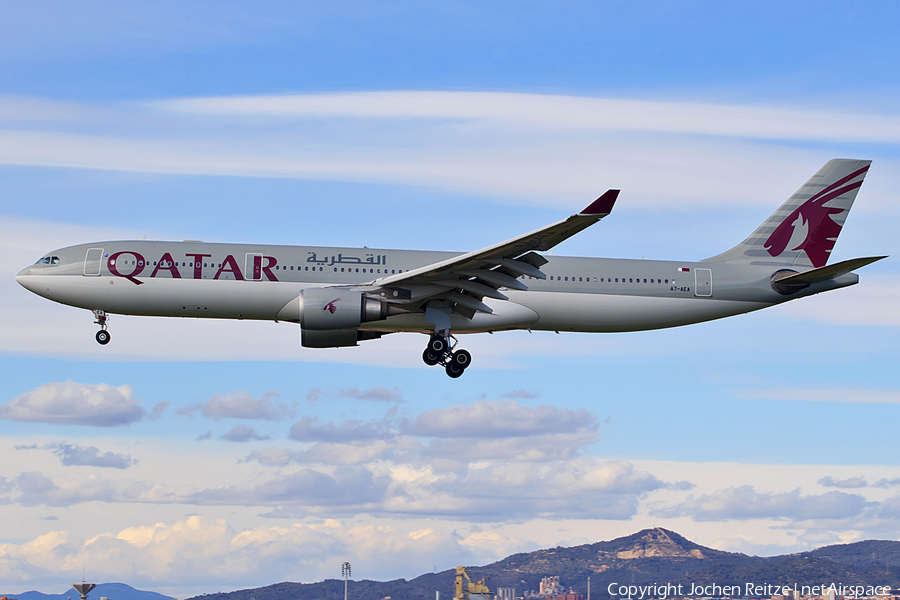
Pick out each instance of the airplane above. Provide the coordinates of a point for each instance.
(342, 296)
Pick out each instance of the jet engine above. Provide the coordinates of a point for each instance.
(329, 317)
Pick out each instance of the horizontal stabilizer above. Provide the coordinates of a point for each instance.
(824, 273)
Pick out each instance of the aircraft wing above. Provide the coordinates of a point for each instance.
(466, 279)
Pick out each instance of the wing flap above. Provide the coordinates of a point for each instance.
(474, 287)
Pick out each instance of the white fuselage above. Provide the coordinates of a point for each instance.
(236, 281)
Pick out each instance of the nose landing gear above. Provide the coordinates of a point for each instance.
(101, 319)
(440, 352)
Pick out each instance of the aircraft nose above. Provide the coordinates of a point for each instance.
(25, 279)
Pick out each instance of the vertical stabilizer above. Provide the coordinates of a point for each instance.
(803, 231)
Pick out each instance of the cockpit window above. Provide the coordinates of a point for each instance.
(54, 260)
(45, 260)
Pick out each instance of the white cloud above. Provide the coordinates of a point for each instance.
(308, 429)
(555, 113)
(496, 492)
(38, 490)
(745, 502)
(495, 419)
(376, 394)
(71, 403)
(241, 405)
(346, 490)
(158, 410)
(848, 483)
(151, 555)
(243, 433)
(90, 456)
(829, 394)
(356, 452)
(521, 394)
(535, 448)
(530, 148)
(584, 488)
(488, 430)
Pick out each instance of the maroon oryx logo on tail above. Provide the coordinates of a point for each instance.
(330, 307)
(810, 227)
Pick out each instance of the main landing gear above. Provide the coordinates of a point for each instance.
(440, 352)
(101, 318)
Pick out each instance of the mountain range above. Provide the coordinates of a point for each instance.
(647, 557)
(114, 591)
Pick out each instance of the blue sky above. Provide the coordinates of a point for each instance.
(446, 126)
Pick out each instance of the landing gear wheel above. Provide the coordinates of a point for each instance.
(454, 370)
(437, 345)
(101, 319)
(461, 358)
(431, 358)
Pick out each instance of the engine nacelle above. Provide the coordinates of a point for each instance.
(323, 309)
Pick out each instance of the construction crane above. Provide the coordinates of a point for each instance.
(474, 590)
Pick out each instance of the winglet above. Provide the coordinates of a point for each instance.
(602, 205)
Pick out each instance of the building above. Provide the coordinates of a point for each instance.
(550, 586)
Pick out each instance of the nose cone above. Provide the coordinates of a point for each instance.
(26, 279)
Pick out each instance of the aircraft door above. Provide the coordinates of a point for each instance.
(92, 261)
(253, 267)
(703, 282)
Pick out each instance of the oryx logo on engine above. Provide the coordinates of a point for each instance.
(330, 307)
